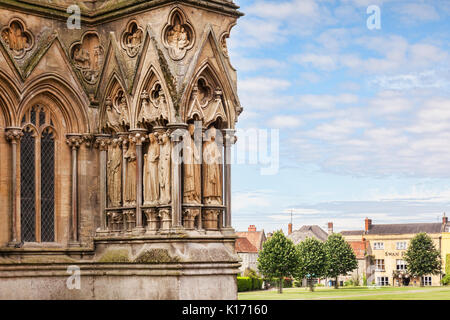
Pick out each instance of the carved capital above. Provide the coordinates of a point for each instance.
(138, 137)
(102, 142)
(13, 135)
(74, 141)
(88, 140)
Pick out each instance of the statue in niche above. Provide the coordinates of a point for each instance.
(132, 39)
(192, 168)
(164, 169)
(130, 185)
(154, 106)
(178, 38)
(124, 117)
(212, 179)
(112, 115)
(114, 174)
(17, 38)
(151, 175)
(87, 56)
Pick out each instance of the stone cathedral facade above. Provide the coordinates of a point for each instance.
(114, 141)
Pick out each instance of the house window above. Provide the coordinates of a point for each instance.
(402, 245)
(382, 281)
(401, 264)
(378, 245)
(379, 263)
(426, 281)
(37, 177)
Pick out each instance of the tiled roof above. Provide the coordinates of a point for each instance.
(256, 238)
(304, 232)
(405, 228)
(243, 245)
(352, 232)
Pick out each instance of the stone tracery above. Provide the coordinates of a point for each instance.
(18, 39)
(178, 35)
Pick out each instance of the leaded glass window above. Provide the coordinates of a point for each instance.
(37, 177)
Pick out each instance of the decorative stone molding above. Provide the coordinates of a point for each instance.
(18, 39)
(87, 56)
(102, 141)
(189, 216)
(13, 134)
(178, 35)
(132, 38)
(74, 141)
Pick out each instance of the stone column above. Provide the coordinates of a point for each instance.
(13, 135)
(74, 141)
(229, 140)
(176, 136)
(102, 141)
(138, 136)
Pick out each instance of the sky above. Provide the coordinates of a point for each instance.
(360, 116)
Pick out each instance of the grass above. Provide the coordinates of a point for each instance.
(351, 293)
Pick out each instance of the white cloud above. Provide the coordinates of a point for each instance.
(282, 121)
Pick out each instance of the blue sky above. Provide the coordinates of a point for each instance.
(363, 115)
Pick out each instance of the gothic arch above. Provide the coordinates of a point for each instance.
(9, 97)
(217, 97)
(112, 98)
(61, 98)
(149, 86)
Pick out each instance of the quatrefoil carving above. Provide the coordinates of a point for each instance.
(132, 38)
(87, 56)
(18, 39)
(178, 35)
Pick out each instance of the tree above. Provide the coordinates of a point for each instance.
(422, 257)
(312, 260)
(278, 258)
(340, 257)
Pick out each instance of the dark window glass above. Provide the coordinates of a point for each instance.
(27, 187)
(33, 116)
(41, 118)
(47, 187)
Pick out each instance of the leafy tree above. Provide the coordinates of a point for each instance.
(312, 260)
(422, 257)
(278, 258)
(340, 257)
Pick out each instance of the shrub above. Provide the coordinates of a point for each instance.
(287, 283)
(257, 283)
(446, 280)
(348, 283)
(320, 285)
(297, 283)
(447, 264)
(244, 284)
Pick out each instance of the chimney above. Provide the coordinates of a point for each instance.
(368, 224)
(330, 227)
(444, 219)
(251, 228)
(289, 228)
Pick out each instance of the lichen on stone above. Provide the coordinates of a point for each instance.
(156, 256)
(115, 256)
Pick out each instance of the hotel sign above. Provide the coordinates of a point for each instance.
(394, 254)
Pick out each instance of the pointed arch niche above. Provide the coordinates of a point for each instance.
(206, 100)
(153, 109)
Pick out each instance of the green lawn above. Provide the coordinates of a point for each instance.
(351, 293)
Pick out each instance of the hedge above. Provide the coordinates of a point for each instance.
(247, 283)
(447, 264)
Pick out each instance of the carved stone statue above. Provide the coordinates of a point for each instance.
(164, 169)
(114, 174)
(112, 116)
(192, 169)
(130, 185)
(212, 178)
(151, 176)
(124, 117)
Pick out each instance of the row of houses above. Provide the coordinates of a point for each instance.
(379, 249)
